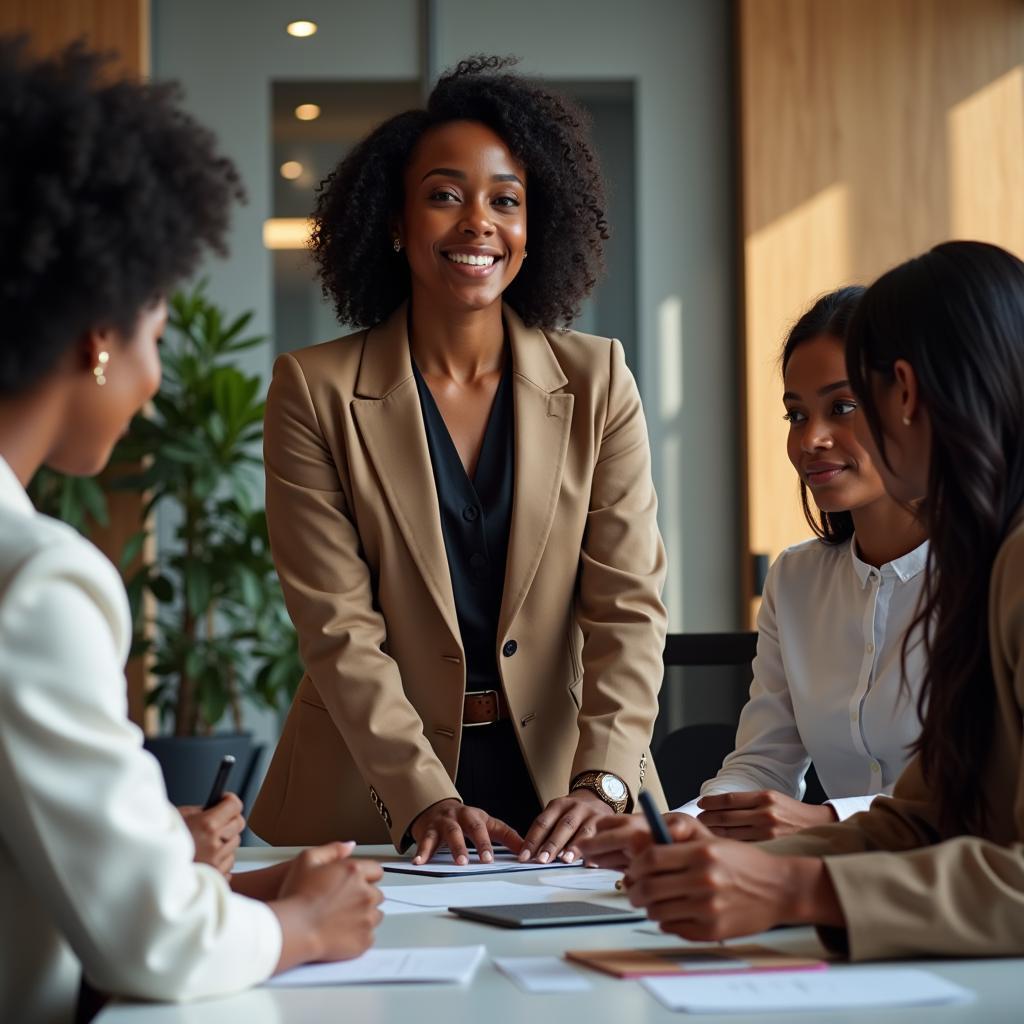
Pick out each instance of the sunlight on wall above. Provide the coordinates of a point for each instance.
(789, 263)
(670, 407)
(986, 162)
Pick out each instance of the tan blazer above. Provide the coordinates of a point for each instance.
(905, 889)
(373, 735)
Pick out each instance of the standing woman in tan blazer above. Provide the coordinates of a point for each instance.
(460, 498)
(935, 352)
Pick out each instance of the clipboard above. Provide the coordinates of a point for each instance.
(682, 961)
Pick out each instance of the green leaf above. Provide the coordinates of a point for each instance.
(162, 589)
(132, 548)
(197, 587)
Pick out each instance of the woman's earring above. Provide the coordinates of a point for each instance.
(100, 372)
(906, 421)
(397, 245)
(525, 254)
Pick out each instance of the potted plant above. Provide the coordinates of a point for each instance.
(217, 633)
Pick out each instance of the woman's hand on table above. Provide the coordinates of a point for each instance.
(761, 814)
(563, 825)
(327, 905)
(704, 888)
(611, 845)
(216, 833)
(451, 823)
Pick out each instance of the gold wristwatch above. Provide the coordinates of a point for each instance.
(610, 788)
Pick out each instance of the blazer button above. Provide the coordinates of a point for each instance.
(469, 513)
(510, 648)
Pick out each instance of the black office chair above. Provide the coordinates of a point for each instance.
(692, 754)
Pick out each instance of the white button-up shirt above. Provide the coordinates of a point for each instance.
(827, 678)
(96, 867)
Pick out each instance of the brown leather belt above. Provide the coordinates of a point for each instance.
(484, 707)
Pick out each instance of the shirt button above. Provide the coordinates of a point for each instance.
(871, 648)
(510, 648)
(469, 513)
(853, 716)
(875, 766)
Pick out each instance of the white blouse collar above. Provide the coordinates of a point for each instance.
(904, 568)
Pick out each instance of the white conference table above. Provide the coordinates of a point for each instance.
(491, 998)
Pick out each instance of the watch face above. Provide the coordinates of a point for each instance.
(613, 788)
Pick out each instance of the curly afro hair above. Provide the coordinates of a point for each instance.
(108, 194)
(357, 204)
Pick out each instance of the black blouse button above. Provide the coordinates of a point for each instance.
(470, 513)
(510, 648)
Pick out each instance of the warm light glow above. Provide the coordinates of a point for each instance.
(286, 232)
(302, 29)
(307, 111)
(986, 163)
(801, 254)
(291, 169)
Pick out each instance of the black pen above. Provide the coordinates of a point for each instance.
(654, 819)
(220, 780)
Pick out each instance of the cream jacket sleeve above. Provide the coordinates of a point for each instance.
(907, 890)
(97, 856)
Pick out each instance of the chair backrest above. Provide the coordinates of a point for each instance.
(686, 757)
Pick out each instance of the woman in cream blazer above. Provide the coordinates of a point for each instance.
(97, 880)
(935, 352)
(378, 731)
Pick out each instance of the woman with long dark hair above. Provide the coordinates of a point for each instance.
(460, 499)
(830, 694)
(935, 352)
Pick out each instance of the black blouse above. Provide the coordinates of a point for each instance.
(475, 519)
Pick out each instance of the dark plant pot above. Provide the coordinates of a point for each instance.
(189, 764)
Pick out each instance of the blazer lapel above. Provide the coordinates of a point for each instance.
(387, 412)
(543, 421)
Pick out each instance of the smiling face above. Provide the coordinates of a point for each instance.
(97, 416)
(823, 444)
(463, 224)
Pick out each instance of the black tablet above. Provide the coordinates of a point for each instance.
(548, 915)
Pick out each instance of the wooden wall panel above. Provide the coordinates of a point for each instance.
(120, 27)
(870, 130)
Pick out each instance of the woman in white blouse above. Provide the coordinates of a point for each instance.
(109, 193)
(834, 614)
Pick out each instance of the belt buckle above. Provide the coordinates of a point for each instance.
(497, 708)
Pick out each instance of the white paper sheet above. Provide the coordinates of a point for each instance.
(436, 895)
(786, 991)
(442, 864)
(390, 907)
(454, 964)
(542, 974)
(588, 880)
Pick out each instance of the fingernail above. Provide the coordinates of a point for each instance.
(463, 859)
(486, 857)
(524, 856)
(417, 859)
(569, 856)
(544, 857)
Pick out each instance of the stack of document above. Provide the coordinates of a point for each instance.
(454, 964)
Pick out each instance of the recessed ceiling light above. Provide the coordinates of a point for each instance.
(291, 169)
(302, 29)
(307, 111)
